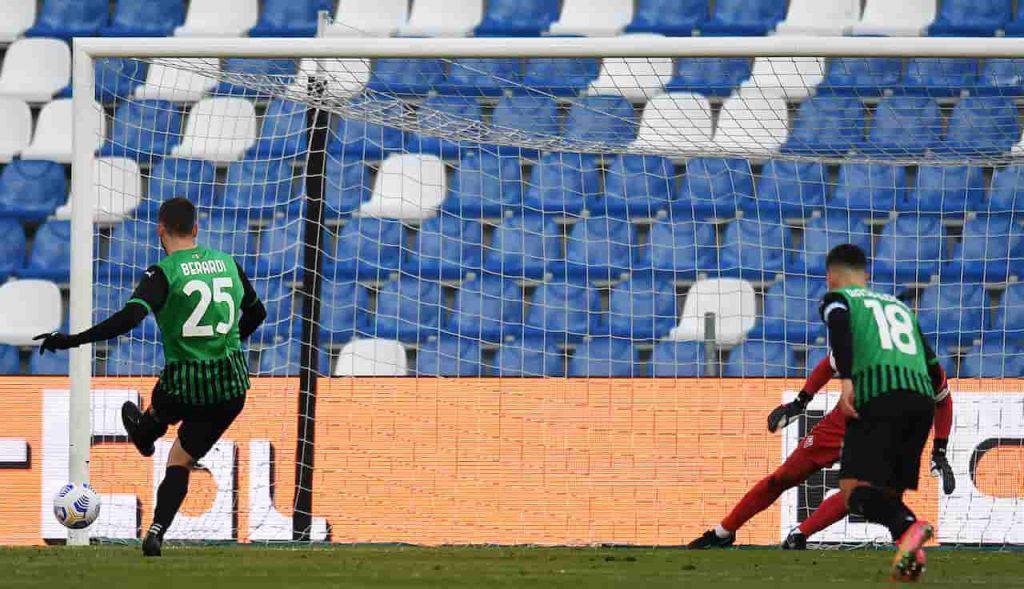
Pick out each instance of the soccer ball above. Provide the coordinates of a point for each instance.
(76, 506)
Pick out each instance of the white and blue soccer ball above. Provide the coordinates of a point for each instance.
(76, 505)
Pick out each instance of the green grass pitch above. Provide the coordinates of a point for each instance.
(113, 567)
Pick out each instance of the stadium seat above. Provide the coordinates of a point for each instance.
(517, 18)
(563, 312)
(16, 16)
(366, 248)
(593, 18)
(279, 299)
(744, 17)
(992, 250)
(551, 76)
(219, 129)
(49, 365)
(598, 249)
(259, 186)
(413, 77)
(284, 359)
(347, 186)
(28, 308)
(264, 73)
(642, 308)
(823, 233)
(228, 233)
(117, 78)
(952, 313)
(344, 310)
(145, 18)
(482, 77)
(35, 69)
(993, 360)
(444, 116)
(828, 18)
(188, 178)
(677, 359)
(66, 19)
(910, 249)
(754, 249)
(635, 186)
(280, 248)
(371, 357)
(134, 358)
(528, 358)
(792, 78)
(788, 188)
(449, 356)
(443, 18)
(143, 130)
(862, 77)
(342, 77)
(710, 76)
(1008, 321)
(487, 308)
(760, 359)
(1003, 197)
(673, 18)
(869, 189)
(603, 120)
(132, 249)
(483, 183)
(754, 126)
(282, 131)
(289, 18)
(982, 127)
(603, 357)
(561, 183)
(408, 309)
(635, 79)
(908, 18)
(896, 114)
(368, 18)
(713, 187)
(12, 247)
(51, 140)
(971, 18)
(219, 18)
(1000, 77)
(523, 245)
(675, 124)
(357, 137)
(682, 249)
(167, 79)
(445, 248)
(32, 189)
(50, 257)
(730, 300)
(941, 77)
(16, 131)
(118, 183)
(531, 118)
(827, 126)
(791, 311)
(407, 186)
(951, 190)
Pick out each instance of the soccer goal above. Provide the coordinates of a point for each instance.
(544, 291)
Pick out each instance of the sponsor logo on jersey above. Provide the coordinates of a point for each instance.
(205, 267)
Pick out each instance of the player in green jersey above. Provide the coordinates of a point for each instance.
(888, 374)
(204, 306)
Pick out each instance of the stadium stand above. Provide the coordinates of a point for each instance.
(603, 357)
(262, 187)
(560, 183)
(445, 248)
(366, 248)
(971, 18)
(517, 18)
(642, 308)
(674, 122)
(733, 303)
(674, 248)
(819, 17)
(219, 18)
(366, 18)
(481, 77)
(788, 188)
(603, 18)
(952, 313)
(908, 18)
(486, 308)
(289, 18)
(16, 132)
(953, 190)
(443, 18)
(563, 312)
(344, 310)
(678, 18)
(861, 77)
(827, 126)
(409, 309)
(34, 70)
(677, 359)
(993, 360)
(145, 18)
(991, 250)
(371, 357)
(522, 246)
(443, 112)
(143, 130)
(710, 76)
(757, 359)
(65, 19)
(32, 189)
(169, 83)
(791, 311)
(635, 186)
(483, 183)
(448, 356)
(16, 16)
(529, 358)
(636, 80)
(793, 79)
(28, 308)
(50, 256)
(744, 17)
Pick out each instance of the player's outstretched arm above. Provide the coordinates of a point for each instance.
(787, 413)
(943, 425)
(253, 311)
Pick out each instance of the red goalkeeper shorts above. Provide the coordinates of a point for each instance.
(823, 445)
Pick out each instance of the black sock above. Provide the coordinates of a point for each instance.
(170, 496)
(877, 507)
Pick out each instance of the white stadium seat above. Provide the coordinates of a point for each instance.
(28, 308)
(167, 81)
(823, 18)
(118, 184)
(636, 80)
(16, 16)
(443, 18)
(345, 77)
(35, 69)
(752, 126)
(792, 78)
(675, 124)
(52, 141)
(731, 300)
(371, 357)
(218, 129)
(593, 18)
(368, 18)
(15, 127)
(219, 18)
(408, 186)
(906, 18)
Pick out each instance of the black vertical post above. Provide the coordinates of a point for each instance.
(309, 358)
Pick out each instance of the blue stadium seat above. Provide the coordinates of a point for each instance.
(66, 19)
(145, 18)
(606, 120)
(642, 308)
(134, 358)
(406, 76)
(940, 77)
(531, 117)
(347, 185)
(635, 186)
(760, 359)
(446, 247)
(753, 249)
(279, 299)
(482, 77)
(672, 359)
(359, 138)
(283, 131)
(366, 248)
(971, 18)
(862, 77)
(791, 312)
(178, 177)
(713, 187)
(32, 189)
(265, 72)
(408, 309)
(674, 18)
(523, 245)
(1009, 317)
(981, 127)
(744, 17)
(952, 190)
(133, 248)
(815, 354)
(12, 247)
(788, 188)
(280, 248)
(835, 227)
(528, 358)
(993, 360)
(603, 357)
(50, 364)
(870, 190)
(683, 248)
(910, 249)
(115, 78)
(517, 18)
(896, 114)
(563, 312)
(598, 248)
(444, 114)
(289, 18)
(952, 313)
(1001, 77)
(50, 258)
(449, 356)
(143, 130)
(992, 250)
(552, 76)
(487, 308)
(1015, 28)
(344, 310)
(710, 76)
(110, 297)
(483, 184)
(561, 183)
(827, 126)
(259, 186)
(1007, 184)
(228, 233)
(284, 359)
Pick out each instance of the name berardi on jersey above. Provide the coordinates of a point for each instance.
(204, 267)
(863, 292)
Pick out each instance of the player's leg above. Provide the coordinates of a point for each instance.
(831, 510)
(145, 428)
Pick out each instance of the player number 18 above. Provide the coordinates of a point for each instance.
(895, 327)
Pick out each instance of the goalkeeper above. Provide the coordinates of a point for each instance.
(204, 306)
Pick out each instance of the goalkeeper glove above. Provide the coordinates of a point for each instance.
(54, 341)
(787, 413)
(941, 467)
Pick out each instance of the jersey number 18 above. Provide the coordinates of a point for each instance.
(895, 326)
(221, 294)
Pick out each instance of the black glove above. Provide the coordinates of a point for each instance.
(786, 414)
(53, 341)
(941, 467)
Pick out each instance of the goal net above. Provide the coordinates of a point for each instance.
(551, 300)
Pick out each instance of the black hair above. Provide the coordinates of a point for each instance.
(847, 255)
(178, 216)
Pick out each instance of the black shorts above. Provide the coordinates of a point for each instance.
(201, 425)
(883, 447)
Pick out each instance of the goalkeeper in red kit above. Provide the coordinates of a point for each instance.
(819, 449)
